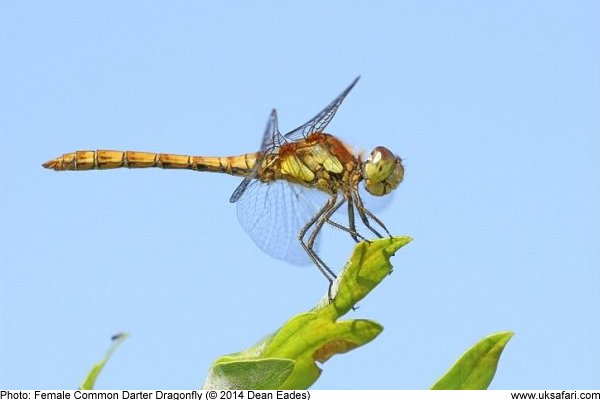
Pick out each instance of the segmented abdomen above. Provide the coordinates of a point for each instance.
(108, 159)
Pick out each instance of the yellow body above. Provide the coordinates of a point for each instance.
(320, 161)
(108, 159)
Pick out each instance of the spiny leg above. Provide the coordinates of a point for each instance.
(328, 273)
(379, 222)
(352, 228)
(325, 217)
(355, 235)
(351, 219)
(365, 214)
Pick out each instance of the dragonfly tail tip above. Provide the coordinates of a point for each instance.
(52, 164)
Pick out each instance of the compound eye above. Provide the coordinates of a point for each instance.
(380, 164)
(383, 171)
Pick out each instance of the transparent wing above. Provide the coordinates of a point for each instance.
(271, 141)
(322, 119)
(273, 214)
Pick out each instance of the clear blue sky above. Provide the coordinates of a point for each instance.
(495, 107)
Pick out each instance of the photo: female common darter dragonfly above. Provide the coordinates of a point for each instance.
(274, 202)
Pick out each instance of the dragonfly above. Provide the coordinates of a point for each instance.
(275, 200)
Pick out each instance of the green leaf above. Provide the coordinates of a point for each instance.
(260, 374)
(475, 369)
(311, 337)
(90, 379)
(367, 267)
(288, 358)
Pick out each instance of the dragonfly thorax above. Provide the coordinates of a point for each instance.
(383, 171)
(320, 161)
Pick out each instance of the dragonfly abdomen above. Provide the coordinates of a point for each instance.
(109, 159)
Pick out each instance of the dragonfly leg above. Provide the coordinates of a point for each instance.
(351, 221)
(318, 221)
(366, 214)
(348, 229)
(355, 235)
(325, 270)
(326, 217)
(379, 222)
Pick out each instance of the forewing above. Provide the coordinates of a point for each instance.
(273, 214)
(322, 119)
(271, 141)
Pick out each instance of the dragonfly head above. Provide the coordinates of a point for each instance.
(383, 171)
